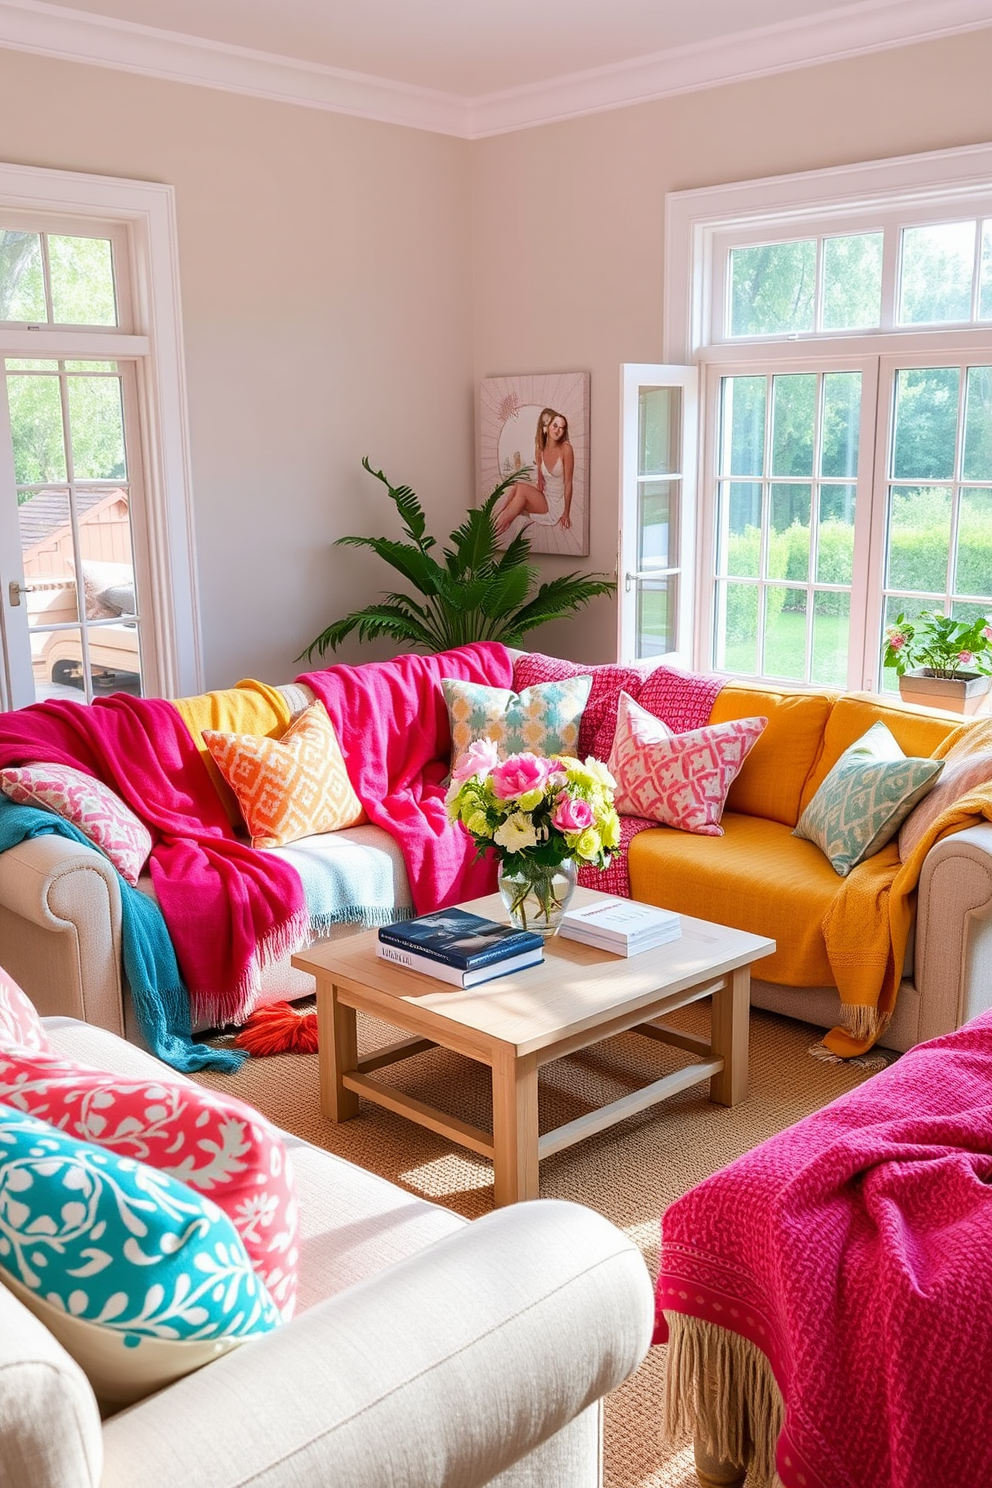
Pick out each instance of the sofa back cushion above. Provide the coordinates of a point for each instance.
(917, 732)
(772, 777)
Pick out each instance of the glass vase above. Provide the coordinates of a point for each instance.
(536, 895)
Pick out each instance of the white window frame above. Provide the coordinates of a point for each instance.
(701, 226)
(146, 211)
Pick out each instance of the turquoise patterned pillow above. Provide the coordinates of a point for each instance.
(865, 799)
(543, 719)
(139, 1277)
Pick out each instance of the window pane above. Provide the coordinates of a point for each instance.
(938, 264)
(974, 566)
(926, 423)
(737, 628)
(97, 427)
(788, 545)
(964, 610)
(841, 423)
(919, 538)
(985, 283)
(831, 630)
(785, 634)
(977, 464)
(22, 280)
(654, 617)
(659, 417)
(743, 431)
(36, 428)
(835, 537)
(740, 529)
(772, 288)
(793, 411)
(852, 282)
(655, 546)
(82, 281)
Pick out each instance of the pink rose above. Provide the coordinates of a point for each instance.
(480, 757)
(572, 814)
(896, 640)
(987, 632)
(965, 657)
(519, 774)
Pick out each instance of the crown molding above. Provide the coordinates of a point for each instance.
(849, 31)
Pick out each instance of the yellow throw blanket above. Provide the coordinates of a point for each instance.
(249, 708)
(868, 924)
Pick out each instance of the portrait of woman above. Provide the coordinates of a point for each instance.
(538, 426)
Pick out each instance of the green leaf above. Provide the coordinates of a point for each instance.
(421, 570)
(406, 503)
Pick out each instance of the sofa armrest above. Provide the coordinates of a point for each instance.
(444, 1370)
(60, 928)
(953, 959)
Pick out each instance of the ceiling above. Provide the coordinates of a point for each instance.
(466, 67)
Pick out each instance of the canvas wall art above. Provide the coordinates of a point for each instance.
(538, 424)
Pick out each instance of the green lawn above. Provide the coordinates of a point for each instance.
(785, 650)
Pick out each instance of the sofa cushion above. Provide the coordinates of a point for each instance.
(964, 769)
(916, 731)
(139, 1278)
(543, 719)
(20, 1025)
(291, 787)
(756, 877)
(599, 717)
(88, 804)
(865, 799)
(680, 780)
(771, 781)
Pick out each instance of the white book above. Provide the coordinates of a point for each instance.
(621, 922)
(617, 947)
(443, 972)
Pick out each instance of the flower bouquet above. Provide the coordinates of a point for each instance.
(941, 647)
(542, 818)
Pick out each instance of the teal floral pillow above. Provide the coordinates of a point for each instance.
(865, 799)
(543, 719)
(139, 1277)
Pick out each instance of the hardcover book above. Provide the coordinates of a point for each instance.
(621, 924)
(445, 972)
(459, 938)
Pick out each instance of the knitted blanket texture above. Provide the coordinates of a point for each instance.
(854, 1251)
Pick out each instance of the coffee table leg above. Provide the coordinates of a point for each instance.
(729, 1034)
(337, 1052)
(514, 1128)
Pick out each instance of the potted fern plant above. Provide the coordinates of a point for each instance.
(476, 592)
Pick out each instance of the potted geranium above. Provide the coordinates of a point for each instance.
(542, 818)
(941, 662)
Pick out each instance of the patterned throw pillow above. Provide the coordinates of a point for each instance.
(961, 773)
(291, 787)
(20, 1026)
(864, 800)
(680, 780)
(89, 804)
(543, 719)
(138, 1277)
(215, 1144)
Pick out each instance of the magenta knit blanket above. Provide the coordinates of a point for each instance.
(683, 700)
(228, 908)
(855, 1251)
(392, 724)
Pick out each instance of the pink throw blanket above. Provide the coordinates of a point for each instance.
(683, 700)
(228, 908)
(392, 724)
(855, 1251)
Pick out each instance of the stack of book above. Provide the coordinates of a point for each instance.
(621, 925)
(459, 947)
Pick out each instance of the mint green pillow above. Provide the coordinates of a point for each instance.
(865, 799)
(543, 719)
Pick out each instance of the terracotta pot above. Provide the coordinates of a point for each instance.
(964, 693)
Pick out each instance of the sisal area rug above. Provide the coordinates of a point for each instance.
(630, 1173)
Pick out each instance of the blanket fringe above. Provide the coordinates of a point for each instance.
(362, 916)
(218, 1010)
(864, 1022)
(876, 1060)
(720, 1388)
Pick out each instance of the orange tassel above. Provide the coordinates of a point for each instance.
(280, 1029)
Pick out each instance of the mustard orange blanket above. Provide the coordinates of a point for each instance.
(867, 927)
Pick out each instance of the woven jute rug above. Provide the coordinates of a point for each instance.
(630, 1173)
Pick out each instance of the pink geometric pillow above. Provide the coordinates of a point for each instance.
(680, 780)
(89, 804)
(20, 1025)
(215, 1144)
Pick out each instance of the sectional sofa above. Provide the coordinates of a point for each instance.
(60, 904)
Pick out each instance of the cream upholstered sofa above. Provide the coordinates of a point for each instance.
(425, 1351)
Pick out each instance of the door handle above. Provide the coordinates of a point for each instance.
(15, 590)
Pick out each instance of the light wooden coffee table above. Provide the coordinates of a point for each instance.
(516, 1023)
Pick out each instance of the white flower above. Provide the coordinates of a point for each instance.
(516, 833)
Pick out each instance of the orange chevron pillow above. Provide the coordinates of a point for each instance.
(291, 787)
